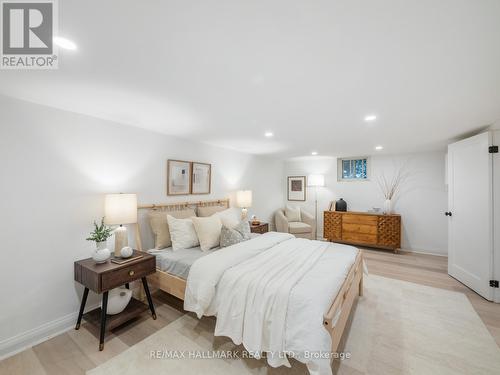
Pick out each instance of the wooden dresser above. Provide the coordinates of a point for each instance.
(363, 228)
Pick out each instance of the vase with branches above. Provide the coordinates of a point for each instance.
(391, 186)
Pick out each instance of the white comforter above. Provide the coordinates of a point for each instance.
(270, 294)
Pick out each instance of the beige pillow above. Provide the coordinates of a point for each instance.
(182, 233)
(292, 213)
(230, 218)
(159, 225)
(208, 230)
(209, 210)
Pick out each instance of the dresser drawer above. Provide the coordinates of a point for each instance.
(359, 238)
(134, 271)
(359, 228)
(359, 219)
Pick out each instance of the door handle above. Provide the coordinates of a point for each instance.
(448, 213)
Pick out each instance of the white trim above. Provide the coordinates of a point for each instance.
(46, 331)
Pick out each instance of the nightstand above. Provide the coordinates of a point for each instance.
(259, 228)
(101, 278)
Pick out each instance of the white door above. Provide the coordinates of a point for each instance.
(470, 246)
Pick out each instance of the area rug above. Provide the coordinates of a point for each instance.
(397, 328)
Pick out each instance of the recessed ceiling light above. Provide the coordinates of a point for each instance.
(269, 134)
(378, 148)
(64, 43)
(314, 153)
(369, 118)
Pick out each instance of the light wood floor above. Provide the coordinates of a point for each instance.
(74, 352)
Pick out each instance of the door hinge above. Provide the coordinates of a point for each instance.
(494, 283)
(493, 149)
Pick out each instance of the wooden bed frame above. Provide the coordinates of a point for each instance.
(334, 320)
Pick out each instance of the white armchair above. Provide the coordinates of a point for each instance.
(305, 228)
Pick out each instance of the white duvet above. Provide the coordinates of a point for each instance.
(270, 294)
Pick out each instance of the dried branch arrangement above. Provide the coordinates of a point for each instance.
(389, 187)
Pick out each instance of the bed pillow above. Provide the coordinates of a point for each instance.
(229, 218)
(182, 233)
(208, 230)
(159, 225)
(231, 236)
(292, 213)
(244, 228)
(209, 210)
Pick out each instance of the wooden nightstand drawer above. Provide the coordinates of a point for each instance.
(134, 271)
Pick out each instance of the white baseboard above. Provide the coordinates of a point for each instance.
(25, 340)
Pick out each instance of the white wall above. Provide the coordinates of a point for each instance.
(55, 168)
(421, 202)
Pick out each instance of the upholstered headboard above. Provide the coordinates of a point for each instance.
(143, 230)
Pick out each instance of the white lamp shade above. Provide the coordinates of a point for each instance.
(120, 209)
(316, 180)
(244, 198)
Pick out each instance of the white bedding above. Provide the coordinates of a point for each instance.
(270, 294)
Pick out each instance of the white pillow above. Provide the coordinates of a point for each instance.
(208, 230)
(182, 233)
(292, 213)
(229, 218)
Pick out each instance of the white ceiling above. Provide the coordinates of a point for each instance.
(224, 72)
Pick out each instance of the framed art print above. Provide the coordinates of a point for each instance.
(178, 177)
(297, 188)
(201, 178)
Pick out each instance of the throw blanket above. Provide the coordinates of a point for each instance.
(206, 272)
(252, 297)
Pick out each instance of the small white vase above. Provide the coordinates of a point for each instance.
(388, 207)
(102, 253)
(118, 300)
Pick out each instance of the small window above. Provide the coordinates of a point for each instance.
(353, 169)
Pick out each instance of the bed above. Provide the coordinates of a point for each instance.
(303, 280)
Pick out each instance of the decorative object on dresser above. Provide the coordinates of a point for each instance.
(178, 177)
(201, 178)
(244, 201)
(390, 187)
(100, 235)
(120, 209)
(315, 181)
(101, 278)
(363, 228)
(296, 188)
(341, 205)
(259, 228)
(302, 226)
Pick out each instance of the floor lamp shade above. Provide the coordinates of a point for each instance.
(120, 209)
(316, 180)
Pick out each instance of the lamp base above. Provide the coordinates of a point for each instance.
(121, 240)
(244, 214)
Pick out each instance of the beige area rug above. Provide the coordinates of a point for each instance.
(397, 328)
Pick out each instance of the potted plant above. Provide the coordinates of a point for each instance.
(99, 235)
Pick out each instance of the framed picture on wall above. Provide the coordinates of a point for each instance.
(201, 178)
(297, 188)
(178, 177)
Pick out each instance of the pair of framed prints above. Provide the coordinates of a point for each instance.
(188, 177)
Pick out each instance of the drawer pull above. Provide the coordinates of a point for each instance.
(131, 273)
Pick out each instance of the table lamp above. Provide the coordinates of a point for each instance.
(315, 181)
(244, 201)
(120, 209)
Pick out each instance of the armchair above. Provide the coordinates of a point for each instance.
(305, 228)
